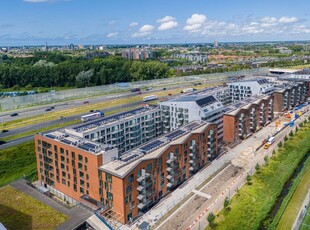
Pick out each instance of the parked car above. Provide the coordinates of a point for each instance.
(14, 114)
(62, 117)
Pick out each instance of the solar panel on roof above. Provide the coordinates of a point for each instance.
(66, 141)
(126, 159)
(174, 134)
(50, 136)
(151, 145)
(205, 101)
(192, 126)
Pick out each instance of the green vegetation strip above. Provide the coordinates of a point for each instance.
(253, 202)
(17, 161)
(306, 222)
(294, 200)
(20, 211)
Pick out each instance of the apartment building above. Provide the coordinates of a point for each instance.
(125, 130)
(136, 54)
(70, 164)
(201, 105)
(288, 95)
(244, 118)
(136, 181)
(242, 89)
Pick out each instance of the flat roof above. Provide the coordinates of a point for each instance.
(112, 119)
(261, 81)
(244, 104)
(80, 143)
(152, 149)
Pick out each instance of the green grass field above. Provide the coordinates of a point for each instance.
(17, 161)
(296, 201)
(20, 211)
(253, 202)
(305, 225)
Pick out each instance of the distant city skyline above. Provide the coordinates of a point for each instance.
(61, 22)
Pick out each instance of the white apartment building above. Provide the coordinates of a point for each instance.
(125, 130)
(202, 105)
(242, 89)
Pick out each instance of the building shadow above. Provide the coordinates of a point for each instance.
(14, 219)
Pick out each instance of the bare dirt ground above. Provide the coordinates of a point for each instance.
(185, 216)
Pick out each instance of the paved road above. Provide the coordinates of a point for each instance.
(77, 215)
(49, 123)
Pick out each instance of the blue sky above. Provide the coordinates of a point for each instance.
(32, 22)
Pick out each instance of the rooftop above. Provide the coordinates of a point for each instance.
(244, 104)
(261, 81)
(83, 144)
(112, 119)
(152, 149)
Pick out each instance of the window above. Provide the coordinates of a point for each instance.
(39, 142)
(82, 183)
(87, 177)
(62, 151)
(109, 196)
(87, 185)
(81, 190)
(73, 155)
(39, 149)
(126, 200)
(80, 166)
(108, 177)
(80, 157)
(160, 161)
(131, 178)
(63, 181)
(63, 174)
(128, 189)
(81, 174)
(149, 167)
(86, 160)
(62, 158)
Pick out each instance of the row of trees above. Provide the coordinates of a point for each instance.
(60, 70)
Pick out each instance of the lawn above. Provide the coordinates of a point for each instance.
(17, 161)
(296, 201)
(85, 108)
(253, 202)
(20, 211)
(306, 222)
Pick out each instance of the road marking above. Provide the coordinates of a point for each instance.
(202, 194)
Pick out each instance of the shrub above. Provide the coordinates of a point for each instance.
(285, 138)
(266, 159)
(257, 167)
(211, 219)
(280, 144)
(249, 179)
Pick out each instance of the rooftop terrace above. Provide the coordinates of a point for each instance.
(83, 144)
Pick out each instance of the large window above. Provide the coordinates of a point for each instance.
(108, 177)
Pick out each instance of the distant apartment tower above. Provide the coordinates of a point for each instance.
(136, 54)
(125, 131)
(215, 44)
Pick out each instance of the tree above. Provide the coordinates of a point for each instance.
(266, 160)
(226, 202)
(285, 138)
(291, 133)
(211, 219)
(28, 87)
(280, 144)
(257, 167)
(249, 179)
(273, 152)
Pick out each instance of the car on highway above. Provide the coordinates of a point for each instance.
(62, 117)
(4, 131)
(164, 88)
(14, 114)
(135, 90)
(169, 94)
(48, 109)
(52, 107)
(86, 102)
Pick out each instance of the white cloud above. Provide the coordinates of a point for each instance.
(133, 24)
(112, 35)
(143, 31)
(166, 19)
(195, 22)
(146, 28)
(167, 23)
(288, 19)
(113, 22)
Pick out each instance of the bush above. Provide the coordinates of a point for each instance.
(285, 138)
(257, 167)
(273, 152)
(266, 159)
(280, 144)
(249, 180)
(211, 219)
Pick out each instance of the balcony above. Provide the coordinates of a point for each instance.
(140, 188)
(169, 185)
(171, 160)
(191, 169)
(140, 197)
(141, 205)
(143, 177)
(169, 177)
(169, 170)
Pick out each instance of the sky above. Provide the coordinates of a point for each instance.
(62, 22)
